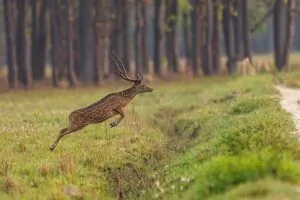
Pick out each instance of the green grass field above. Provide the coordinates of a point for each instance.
(186, 140)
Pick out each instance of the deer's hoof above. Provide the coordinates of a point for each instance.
(51, 148)
(113, 124)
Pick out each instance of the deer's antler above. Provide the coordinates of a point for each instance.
(121, 71)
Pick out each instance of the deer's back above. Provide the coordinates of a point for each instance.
(100, 110)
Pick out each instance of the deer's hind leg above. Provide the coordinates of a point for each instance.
(73, 127)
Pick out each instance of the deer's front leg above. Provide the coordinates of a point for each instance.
(121, 113)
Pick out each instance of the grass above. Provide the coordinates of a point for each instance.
(175, 142)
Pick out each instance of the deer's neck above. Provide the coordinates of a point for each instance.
(129, 93)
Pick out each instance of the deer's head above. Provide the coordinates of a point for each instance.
(138, 86)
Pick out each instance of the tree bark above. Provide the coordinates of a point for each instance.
(10, 28)
(54, 42)
(171, 18)
(39, 39)
(144, 37)
(23, 43)
(86, 41)
(101, 44)
(137, 36)
(126, 43)
(228, 39)
(207, 58)
(216, 38)
(70, 41)
(290, 32)
(277, 24)
(158, 39)
(187, 39)
(247, 51)
(238, 29)
(195, 50)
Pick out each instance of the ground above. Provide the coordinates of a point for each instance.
(214, 138)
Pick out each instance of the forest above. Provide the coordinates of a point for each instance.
(205, 96)
(72, 39)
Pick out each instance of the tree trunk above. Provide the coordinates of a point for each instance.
(187, 39)
(278, 48)
(247, 51)
(144, 37)
(137, 36)
(54, 42)
(23, 43)
(195, 37)
(216, 38)
(39, 39)
(238, 29)
(101, 44)
(70, 41)
(86, 40)
(10, 27)
(170, 35)
(228, 39)
(290, 32)
(207, 58)
(126, 43)
(158, 39)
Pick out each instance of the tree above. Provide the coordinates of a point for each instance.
(23, 43)
(277, 24)
(10, 25)
(39, 38)
(158, 39)
(207, 58)
(126, 43)
(246, 30)
(171, 19)
(101, 38)
(197, 20)
(144, 36)
(290, 32)
(54, 42)
(70, 41)
(137, 36)
(216, 37)
(86, 40)
(228, 36)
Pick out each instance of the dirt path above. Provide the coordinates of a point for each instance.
(289, 102)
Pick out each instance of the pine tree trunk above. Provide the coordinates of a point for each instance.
(144, 37)
(187, 39)
(170, 35)
(10, 25)
(126, 43)
(238, 29)
(228, 37)
(70, 41)
(216, 38)
(137, 36)
(158, 38)
(290, 32)
(101, 35)
(247, 51)
(195, 38)
(39, 39)
(54, 42)
(207, 58)
(23, 43)
(277, 25)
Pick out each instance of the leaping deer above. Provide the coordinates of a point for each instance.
(107, 107)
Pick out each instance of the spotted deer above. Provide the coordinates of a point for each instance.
(107, 107)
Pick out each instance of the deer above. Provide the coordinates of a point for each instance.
(111, 105)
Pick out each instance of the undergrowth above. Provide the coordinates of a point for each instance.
(178, 141)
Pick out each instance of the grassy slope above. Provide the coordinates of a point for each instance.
(175, 133)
